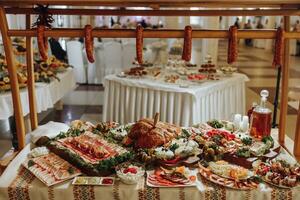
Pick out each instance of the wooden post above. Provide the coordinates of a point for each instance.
(18, 112)
(297, 136)
(30, 80)
(284, 84)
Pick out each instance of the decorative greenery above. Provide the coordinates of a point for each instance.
(243, 152)
(215, 124)
(247, 140)
(109, 164)
(30, 163)
(71, 170)
(268, 140)
(173, 147)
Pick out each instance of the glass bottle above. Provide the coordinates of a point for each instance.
(250, 111)
(261, 118)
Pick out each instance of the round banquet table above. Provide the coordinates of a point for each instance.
(127, 99)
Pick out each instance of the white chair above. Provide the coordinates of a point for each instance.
(92, 75)
(75, 57)
(128, 54)
(100, 64)
(112, 57)
(105, 40)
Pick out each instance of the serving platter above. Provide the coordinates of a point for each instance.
(51, 169)
(154, 179)
(100, 181)
(247, 184)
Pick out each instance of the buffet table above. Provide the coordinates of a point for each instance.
(47, 94)
(127, 99)
(17, 183)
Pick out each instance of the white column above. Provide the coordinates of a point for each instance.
(210, 46)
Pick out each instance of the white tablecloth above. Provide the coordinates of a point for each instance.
(46, 95)
(127, 100)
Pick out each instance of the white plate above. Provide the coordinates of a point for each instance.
(192, 184)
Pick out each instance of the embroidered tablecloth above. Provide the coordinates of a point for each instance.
(17, 183)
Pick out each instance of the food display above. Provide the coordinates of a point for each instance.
(228, 70)
(4, 76)
(91, 152)
(153, 71)
(46, 71)
(197, 77)
(171, 156)
(51, 169)
(247, 184)
(230, 171)
(279, 173)
(136, 72)
(171, 78)
(149, 133)
(87, 180)
(176, 177)
(130, 173)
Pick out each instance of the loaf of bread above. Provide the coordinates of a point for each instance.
(147, 134)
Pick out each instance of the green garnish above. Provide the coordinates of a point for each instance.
(243, 152)
(268, 140)
(186, 133)
(30, 163)
(215, 124)
(71, 170)
(247, 140)
(174, 146)
(217, 139)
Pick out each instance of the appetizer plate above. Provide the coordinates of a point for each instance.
(155, 180)
(227, 170)
(80, 144)
(275, 185)
(51, 169)
(86, 180)
(278, 175)
(238, 185)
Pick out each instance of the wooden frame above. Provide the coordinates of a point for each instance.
(285, 8)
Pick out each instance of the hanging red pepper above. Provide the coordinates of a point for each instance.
(232, 52)
(187, 44)
(279, 43)
(89, 43)
(139, 44)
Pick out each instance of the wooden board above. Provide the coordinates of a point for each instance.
(160, 3)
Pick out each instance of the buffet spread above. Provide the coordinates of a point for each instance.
(44, 71)
(167, 156)
(180, 72)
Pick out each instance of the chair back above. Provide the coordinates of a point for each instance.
(75, 58)
(128, 54)
(112, 57)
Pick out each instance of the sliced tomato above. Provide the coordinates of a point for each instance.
(173, 161)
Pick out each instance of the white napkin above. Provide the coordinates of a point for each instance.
(51, 129)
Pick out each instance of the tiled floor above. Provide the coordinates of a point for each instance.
(87, 100)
